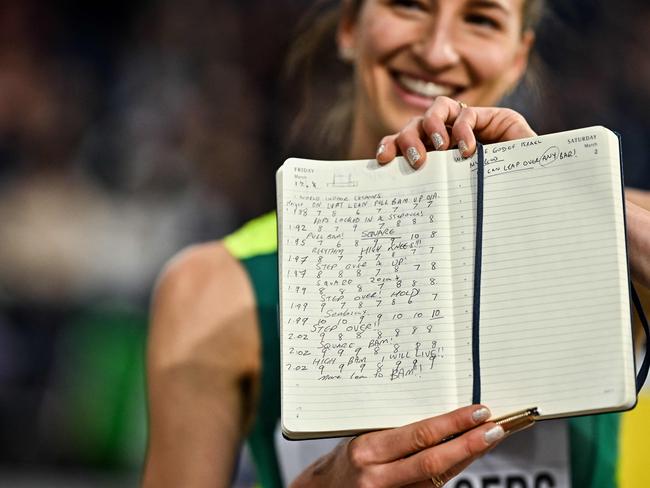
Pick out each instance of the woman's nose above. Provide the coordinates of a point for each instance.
(437, 47)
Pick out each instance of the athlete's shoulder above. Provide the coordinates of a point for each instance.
(203, 300)
(200, 272)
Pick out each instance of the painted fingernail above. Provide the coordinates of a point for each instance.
(412, 155)
(381, 149)
(494, 434)
(462, 147)
(437, 140)
(481, 414)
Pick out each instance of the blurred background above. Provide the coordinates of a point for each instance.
(131, 129)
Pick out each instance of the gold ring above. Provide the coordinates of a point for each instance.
(437, 482)
(462, 104)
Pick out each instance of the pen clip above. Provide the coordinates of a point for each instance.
(534, 412)
(517, 421)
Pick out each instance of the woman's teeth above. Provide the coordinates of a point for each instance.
(424, 88)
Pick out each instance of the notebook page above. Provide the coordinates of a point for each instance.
(555, 318)
(367, 325)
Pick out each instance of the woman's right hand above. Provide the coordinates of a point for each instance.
(413, 455)
(448, 123)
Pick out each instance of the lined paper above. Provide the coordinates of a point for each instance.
(555, 325)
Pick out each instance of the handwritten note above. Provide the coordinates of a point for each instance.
(376, 274)
(367, 283)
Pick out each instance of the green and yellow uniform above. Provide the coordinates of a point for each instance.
(593, 440)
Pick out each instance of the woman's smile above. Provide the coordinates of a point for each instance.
(419, 91)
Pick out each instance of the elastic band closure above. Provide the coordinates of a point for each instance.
(643, 370)
(478, 257)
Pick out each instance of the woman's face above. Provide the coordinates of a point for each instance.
(406, 52)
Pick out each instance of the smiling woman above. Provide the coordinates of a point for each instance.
(213, 350)
(406, 53)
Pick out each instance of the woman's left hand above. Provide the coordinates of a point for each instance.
(448, 123)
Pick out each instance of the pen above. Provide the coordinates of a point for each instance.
(517, 421)
(513, 422)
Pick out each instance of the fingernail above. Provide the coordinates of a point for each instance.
(381, 149)
(437, 140)
(494, 434)
(462, 147)
(412, 155)
(481, 414)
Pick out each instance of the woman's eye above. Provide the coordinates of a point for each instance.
(482, 20)
(409, 4)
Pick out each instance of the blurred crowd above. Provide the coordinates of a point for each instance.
(131, 129)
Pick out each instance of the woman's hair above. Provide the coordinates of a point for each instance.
(324, 117)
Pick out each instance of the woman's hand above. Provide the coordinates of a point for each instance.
(448, 123)
(638, 235)
(413, 455)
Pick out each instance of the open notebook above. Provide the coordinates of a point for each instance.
(376, 269)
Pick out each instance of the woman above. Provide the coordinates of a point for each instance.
(213, 348)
